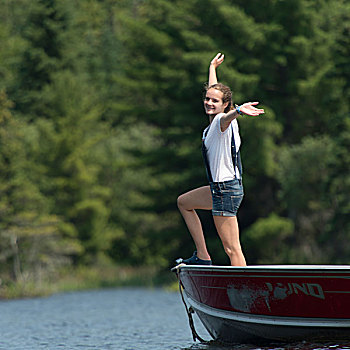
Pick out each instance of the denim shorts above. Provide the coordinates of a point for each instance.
(227, 197)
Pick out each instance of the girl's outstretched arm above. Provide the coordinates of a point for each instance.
(215, 62)
(247, 108)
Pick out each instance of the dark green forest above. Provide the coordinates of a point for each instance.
(101, 118)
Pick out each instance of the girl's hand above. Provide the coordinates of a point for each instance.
(217, 60)
(249, 109)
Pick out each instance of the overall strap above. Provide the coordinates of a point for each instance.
(205, 157)
(236, 156)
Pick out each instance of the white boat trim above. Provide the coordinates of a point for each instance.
(269, 320)
(289, 268)
(269, 271)
(272, 276)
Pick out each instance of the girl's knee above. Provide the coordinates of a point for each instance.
(181, 202)
(184, 202)
(236, 256)
(233, 250)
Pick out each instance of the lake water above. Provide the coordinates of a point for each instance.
(116, 319)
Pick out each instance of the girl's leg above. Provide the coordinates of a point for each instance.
(200, 198)
(227, 227)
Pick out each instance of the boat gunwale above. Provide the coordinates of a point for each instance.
(266, 268)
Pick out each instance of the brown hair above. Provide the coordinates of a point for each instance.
(227, 94)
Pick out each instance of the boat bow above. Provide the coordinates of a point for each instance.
(277, 302)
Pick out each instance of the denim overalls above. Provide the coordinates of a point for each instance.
(227, 195)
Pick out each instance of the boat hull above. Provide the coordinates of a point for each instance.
(283, 303)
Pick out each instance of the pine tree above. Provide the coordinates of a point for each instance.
(167, 48)
(32, 243)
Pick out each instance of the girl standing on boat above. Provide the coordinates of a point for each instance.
(220, 146)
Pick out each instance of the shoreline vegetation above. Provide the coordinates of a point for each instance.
(87, 278)
(100, 112)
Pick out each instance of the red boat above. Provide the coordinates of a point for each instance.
(277, 302)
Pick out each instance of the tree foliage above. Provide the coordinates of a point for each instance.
(101, 119)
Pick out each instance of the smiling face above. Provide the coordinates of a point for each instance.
(213, 102)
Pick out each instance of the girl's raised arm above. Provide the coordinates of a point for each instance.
(216, 61)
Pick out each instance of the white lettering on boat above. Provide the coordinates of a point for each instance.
(281, 291)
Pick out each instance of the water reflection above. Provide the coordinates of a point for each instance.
(272, 346)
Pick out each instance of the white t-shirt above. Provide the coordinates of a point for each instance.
(218, 145)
